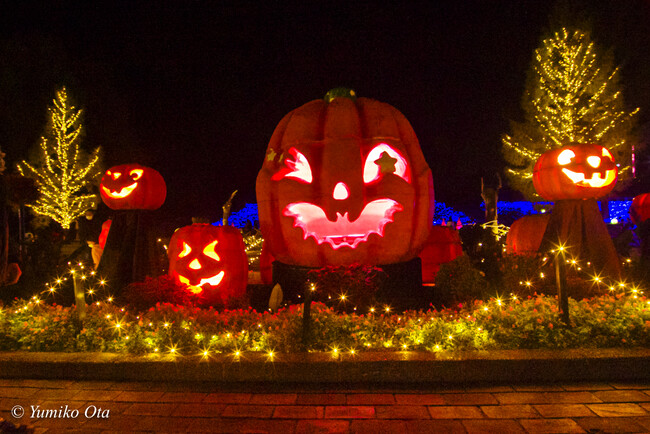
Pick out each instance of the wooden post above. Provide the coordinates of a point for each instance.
(562, 290)
(79, 296)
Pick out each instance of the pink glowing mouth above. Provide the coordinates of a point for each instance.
(342, 232)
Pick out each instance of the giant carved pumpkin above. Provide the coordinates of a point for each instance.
(577, 171)
(132, 186)
(210, 260)
(266, 265)
(344, 181)
(640, 208)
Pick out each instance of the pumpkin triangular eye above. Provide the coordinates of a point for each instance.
(210, 251)
(383, 160)
(186, 250)
(114, 175)
(298, 169)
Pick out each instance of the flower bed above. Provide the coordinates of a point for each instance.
(599, 322)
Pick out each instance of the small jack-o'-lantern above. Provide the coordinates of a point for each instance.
(132, 186)
(577, 171)
(210, 260)
(344, 181)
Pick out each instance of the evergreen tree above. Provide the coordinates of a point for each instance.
(572, 95)
(63, 170)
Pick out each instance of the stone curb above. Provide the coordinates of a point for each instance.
(407, 367)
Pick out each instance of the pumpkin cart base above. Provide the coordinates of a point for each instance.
(400, 289)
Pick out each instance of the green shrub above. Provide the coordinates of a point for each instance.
(459, 282)
(509, 323)
(347, 286)
(163, 289)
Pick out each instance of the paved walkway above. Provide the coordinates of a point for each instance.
(174, 407)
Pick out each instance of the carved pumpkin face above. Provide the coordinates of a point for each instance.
(132, 186)
(210, 260)
(344, 181)
(578, 171)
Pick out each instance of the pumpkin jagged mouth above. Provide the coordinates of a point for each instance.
(197, 289)
(124, 191)
(342, 232)
(596, 181)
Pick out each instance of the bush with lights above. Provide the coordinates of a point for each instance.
(613, 320)
(616, 315)
(347, 287)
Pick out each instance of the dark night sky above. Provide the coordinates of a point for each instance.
(195, 89)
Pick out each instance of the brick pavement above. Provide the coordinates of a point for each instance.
(208, 407)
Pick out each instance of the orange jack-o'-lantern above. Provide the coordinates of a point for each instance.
(640, 208)
(577, 171)
(132, 186)
(526, 234)
(210, 260)
(344, 181)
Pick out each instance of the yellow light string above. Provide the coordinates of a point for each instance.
(63, 175)
(573, 98)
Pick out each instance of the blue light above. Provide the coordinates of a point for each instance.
(447, 213)
(618, 210)
(239, 218)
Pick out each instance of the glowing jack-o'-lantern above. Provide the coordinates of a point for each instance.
(577, 171)
(132, 186)
(210, 260)
(344, 181)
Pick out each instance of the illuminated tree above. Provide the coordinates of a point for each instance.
(572, 95)
(63, 170)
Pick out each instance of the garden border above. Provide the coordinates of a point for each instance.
(407, 367)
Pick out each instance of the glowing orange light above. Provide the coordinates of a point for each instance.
(597, 180)
(210, 251)
(186, 250)
(196, 289)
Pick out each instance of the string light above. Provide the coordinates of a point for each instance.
(574, 96)
(62, 177)
(231, 341)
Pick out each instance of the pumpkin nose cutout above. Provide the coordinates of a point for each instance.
(593, 161)
(341, 191)
(195, 265)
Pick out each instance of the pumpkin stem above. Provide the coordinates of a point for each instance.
(340, 92)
